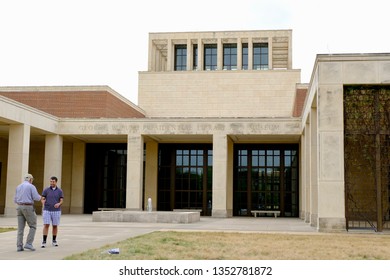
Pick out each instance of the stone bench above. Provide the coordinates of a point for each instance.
(114, 209)
(145, 216)
(275, 212)
(187, 210)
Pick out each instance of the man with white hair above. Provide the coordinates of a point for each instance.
(25, 195)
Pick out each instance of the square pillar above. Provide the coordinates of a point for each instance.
(308, 175)
(239, 54)
(135, 154)
(200, 55)
(222, 204)
(189, 55)
(331, 188)
(313, 160)
(53, 159)
(250, 54)
(170, 56)
(18, 157)
(219, 54)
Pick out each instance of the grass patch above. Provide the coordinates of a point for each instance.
(171, 245)
(6, 229)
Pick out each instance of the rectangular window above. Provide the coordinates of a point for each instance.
(185, 177)
(266, 177)
(195, 57)
(260, 56)
(180, 57)
(210, 57)
(245, 56)
(230, 57)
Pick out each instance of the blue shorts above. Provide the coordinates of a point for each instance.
(52, 217)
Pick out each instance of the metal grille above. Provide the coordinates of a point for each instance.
(367, 156)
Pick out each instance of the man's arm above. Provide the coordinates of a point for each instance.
(57, 205)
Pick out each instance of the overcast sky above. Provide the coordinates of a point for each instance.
(105, 42)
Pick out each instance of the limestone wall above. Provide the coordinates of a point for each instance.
(208, 94)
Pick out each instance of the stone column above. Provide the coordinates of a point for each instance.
(331, 199)
(76, 194)
(200, 55)
(53, 158)
(135, 154)
(189, 55)
(313, 160)
(270, 51)
(222, 204)
(250, 54)
(219, 54)
(307, 169)
(229, 179)
(151, 173)
(17, 165)
(302, 176)
(152, 56)
(239, 54)
(170, 56)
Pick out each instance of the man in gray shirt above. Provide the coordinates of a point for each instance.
(25, 195)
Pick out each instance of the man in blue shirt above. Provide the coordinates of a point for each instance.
(52, 198)
(25, 195)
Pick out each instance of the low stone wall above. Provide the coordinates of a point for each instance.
(146, 217)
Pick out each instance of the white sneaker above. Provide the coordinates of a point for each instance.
(55, 243)
(43, 245)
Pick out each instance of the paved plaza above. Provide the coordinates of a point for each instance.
(78, 233)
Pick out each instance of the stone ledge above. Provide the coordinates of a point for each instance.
(146, 217)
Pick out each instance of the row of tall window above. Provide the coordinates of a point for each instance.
(259, 57)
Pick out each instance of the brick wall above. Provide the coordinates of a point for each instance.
(299, 101)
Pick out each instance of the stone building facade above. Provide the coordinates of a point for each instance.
(223, 125)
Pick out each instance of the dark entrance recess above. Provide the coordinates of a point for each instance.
(105, 176)
(185, 177)
(266, 178)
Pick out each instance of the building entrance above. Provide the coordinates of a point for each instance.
(265, 178)
(105, 176)
(185, 177)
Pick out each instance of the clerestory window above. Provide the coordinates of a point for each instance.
(180, 57)
(230, 57)
(260, 56)
(210, 57)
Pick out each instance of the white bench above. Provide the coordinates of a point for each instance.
(275, 212)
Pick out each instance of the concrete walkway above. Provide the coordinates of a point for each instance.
(77, 233)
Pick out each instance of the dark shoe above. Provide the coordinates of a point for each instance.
(19, 249)
(29, 247)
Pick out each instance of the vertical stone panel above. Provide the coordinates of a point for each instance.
(220, 180)
(18, 158)
(135, 153)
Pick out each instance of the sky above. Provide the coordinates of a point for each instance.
(105, 42)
